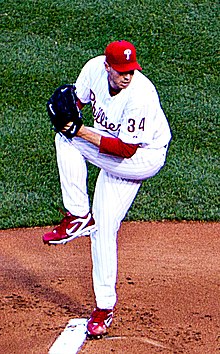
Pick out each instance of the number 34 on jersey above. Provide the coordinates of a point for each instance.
(133, 126)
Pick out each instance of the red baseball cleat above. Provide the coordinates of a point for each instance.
(70, 227)
(99, 321)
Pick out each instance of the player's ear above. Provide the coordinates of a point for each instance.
(107, 66)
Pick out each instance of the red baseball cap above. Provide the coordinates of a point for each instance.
(121, 56)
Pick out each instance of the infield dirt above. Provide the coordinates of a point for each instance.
(168, 290)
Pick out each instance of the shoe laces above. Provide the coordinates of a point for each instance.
(100, 315)
(64, 222)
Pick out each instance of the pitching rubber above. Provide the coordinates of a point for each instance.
(72, 337)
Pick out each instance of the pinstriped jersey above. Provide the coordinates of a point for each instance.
(134, 115)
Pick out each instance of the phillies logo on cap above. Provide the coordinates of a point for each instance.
(121, 56)
(127, 52)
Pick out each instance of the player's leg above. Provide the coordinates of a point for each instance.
(113, 197)
(78, 220)
(144, 164)
(73, 175)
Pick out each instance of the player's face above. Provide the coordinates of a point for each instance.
(118, 80)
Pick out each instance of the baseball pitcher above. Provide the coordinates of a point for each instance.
(128, 142)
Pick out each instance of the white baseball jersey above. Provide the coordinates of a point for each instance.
(135, 116)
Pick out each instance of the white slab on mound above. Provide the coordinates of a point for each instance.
(72, 337)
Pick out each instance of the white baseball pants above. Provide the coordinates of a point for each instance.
(116, 187)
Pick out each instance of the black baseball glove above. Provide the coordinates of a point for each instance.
(62, 109)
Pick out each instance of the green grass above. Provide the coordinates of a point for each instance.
(45, 44)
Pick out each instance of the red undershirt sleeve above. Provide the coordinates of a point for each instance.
(116, 147)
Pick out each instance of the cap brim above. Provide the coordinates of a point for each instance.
(126, 67)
